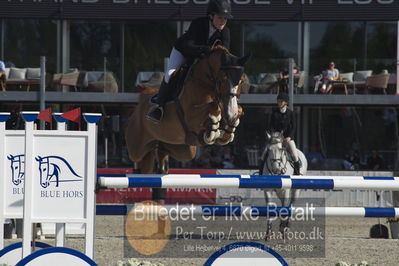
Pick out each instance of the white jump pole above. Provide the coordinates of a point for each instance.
(227, 210)
(250, 181)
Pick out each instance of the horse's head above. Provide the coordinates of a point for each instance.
(276, 156)
(217, 79)
(226, 72)
(275, 137)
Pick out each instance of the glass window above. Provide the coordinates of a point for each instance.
(146, 46)
(26, 40)
(337, 131)
(341, 42)
(271, 44)
(381, 46)
(95, 46)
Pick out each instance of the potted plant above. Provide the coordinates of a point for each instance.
(394, 226)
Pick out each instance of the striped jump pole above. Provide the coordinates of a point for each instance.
(211, 210)
(249, 181)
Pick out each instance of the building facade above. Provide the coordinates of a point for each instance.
(131, 36)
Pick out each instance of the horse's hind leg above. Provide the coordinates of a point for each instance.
(162, 160)
(146, 165)
(162, 167)
(154, 161)
(159, 194)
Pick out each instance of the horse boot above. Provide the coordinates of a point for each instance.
(297, 167)
(156, 113)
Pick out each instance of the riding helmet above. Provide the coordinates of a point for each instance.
(283, 97)
(220, 7)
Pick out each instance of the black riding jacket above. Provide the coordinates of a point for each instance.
(195, 41)
(283, 122)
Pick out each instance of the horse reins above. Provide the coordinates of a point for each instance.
(218, 82)
(219, 97)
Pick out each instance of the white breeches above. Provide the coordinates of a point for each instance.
(176, 60)
(292, 149)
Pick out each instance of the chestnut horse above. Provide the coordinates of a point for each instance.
(205, 112)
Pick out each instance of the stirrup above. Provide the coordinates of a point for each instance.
(155, 114)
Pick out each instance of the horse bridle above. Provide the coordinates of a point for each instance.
(280, 160)
(218, 82)
(220, 96)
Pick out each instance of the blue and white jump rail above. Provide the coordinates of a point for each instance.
(212, 210)
(49, 176)
(249, 181)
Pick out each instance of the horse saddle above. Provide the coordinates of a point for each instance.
(175, 84)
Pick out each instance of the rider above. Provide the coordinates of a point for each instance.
(283, 119)
(198, 40)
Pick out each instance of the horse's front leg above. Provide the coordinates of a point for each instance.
(290, 196)
(268, 219)
(294, 195)
(262, 162)
(285, 196)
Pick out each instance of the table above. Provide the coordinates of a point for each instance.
(338, 83)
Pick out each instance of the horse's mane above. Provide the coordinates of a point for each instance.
(275, 137)
(146, 90)
(221, 48)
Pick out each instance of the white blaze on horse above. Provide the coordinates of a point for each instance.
(277, 161)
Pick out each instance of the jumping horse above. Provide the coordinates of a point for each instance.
(206, 111)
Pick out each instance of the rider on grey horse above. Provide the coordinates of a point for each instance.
(283, 120)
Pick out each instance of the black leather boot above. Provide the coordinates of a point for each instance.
(155, 114)
(297, 166)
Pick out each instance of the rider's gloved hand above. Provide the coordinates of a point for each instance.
(204, 50)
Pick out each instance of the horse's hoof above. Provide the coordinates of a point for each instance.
(209, 139)
(284, 226)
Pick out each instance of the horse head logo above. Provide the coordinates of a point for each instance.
(50, 171)
(17, 168)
